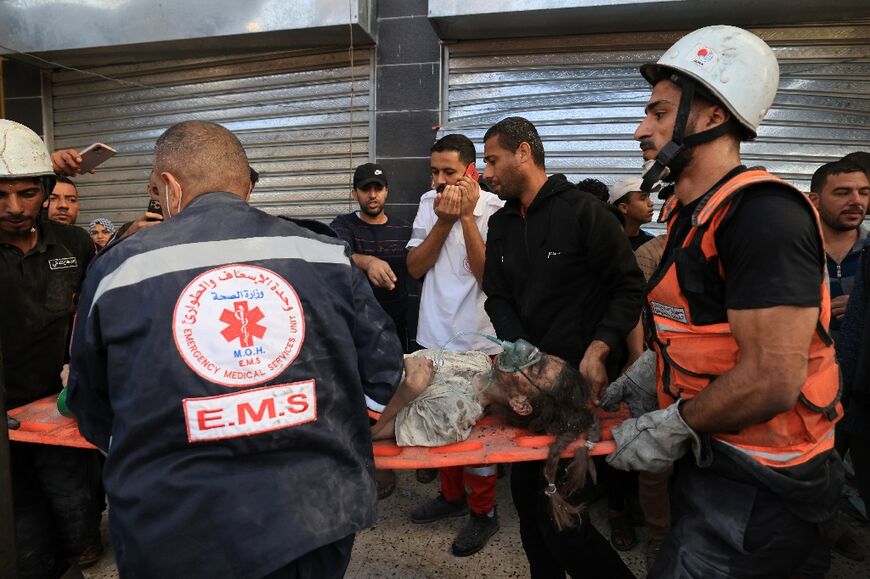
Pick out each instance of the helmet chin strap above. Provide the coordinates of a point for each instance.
(660, 168)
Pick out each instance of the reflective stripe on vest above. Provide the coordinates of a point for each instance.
(691, 356)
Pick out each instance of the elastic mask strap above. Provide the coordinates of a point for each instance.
(708, 135)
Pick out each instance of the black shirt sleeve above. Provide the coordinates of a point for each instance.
(341, 227)
(770, 250)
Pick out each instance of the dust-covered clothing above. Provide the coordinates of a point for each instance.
(447, 410)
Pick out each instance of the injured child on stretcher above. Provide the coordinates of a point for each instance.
(443, 394)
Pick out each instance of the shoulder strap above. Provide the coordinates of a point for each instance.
(715, 200)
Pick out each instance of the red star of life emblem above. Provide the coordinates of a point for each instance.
(242, 324)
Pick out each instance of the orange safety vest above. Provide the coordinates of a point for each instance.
(692, 354)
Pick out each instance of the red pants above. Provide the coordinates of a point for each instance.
(480, 479)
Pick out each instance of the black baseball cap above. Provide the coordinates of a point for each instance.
(369, 173)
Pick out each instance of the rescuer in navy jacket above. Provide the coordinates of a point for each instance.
(224, 360)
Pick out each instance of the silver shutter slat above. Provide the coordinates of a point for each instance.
(293, 112)
(586, 97)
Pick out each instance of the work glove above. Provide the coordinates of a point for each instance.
(11, 423)
(652, 442)
(637, 387)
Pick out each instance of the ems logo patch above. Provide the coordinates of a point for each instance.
(704, 56)
(238, 325)
(669, 312)
(63, 263)
(250, 411)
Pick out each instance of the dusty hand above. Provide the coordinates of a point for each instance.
(381, 274)
(592, 368)
(11, 423)
(67, 162)
(448, 204)
(838, 306)
(470, 193)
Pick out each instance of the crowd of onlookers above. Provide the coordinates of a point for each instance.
(229, 449)
(387, 248)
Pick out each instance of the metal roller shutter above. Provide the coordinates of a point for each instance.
(303, 121)
(586, 97)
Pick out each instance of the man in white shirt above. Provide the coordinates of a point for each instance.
(447, 251)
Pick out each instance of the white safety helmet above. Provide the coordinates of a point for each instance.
(622, 188)
(736, 66)
(22, 153)
(721, 63)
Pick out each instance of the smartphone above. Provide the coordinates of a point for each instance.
(471, 171)
(154, 207)
(95, 155)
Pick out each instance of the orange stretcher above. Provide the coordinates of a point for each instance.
(41, 423)
(491, 440)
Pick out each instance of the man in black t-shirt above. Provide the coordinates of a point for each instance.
(42, 264)
(746, 379)
(377, 244)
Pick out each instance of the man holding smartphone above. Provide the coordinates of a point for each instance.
(447, 251)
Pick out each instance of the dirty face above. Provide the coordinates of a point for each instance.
(516, 389)
(20, 204)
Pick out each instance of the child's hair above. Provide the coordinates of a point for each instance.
(562, 410)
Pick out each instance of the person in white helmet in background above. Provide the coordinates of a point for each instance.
(42, 264)
(747, 387)
(636, 208)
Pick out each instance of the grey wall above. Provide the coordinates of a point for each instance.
(407, 96)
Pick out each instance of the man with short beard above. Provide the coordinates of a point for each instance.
(377, 244)
(42, 264)
(746, 375)
(840, 191)
(63, 203)
(559, 273)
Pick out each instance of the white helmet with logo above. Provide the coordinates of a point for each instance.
(736, 66)
(22, 153)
